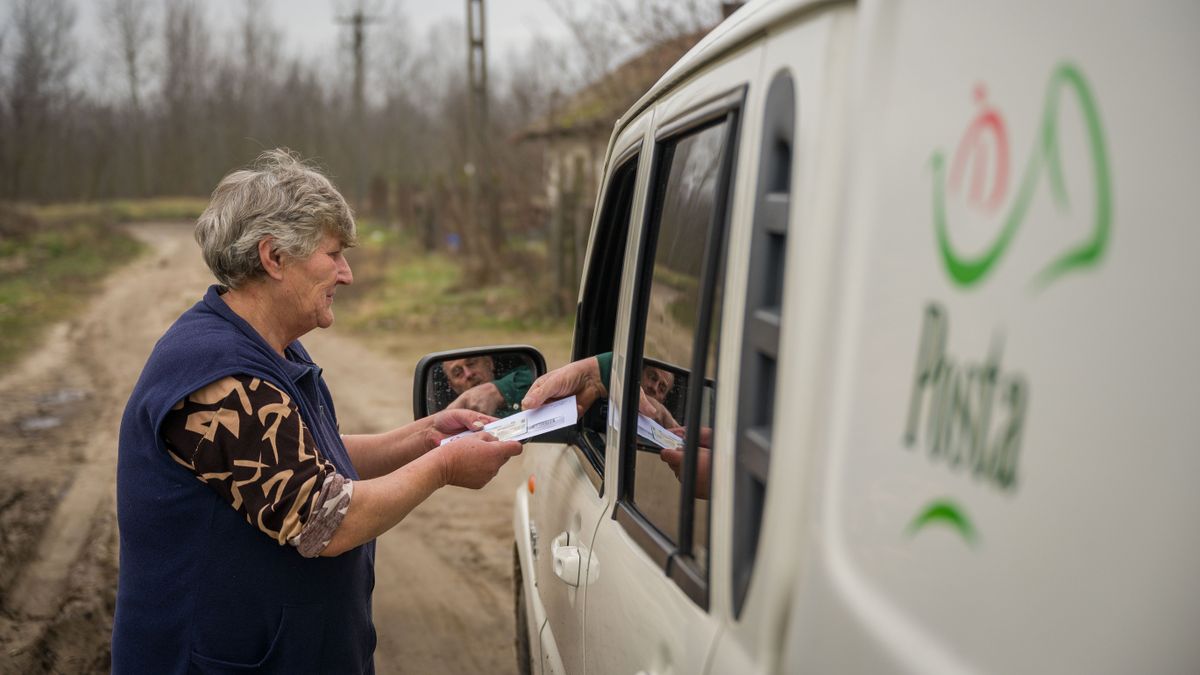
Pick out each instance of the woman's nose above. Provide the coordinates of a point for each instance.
(344, 275)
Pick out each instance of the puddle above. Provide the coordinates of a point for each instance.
(43, 423)
(63, 397)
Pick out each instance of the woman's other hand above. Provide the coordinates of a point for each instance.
(472, 461)
(673, 458)
(449, 422)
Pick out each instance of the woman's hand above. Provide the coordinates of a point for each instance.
(472, 461)
(449, 422)
(673, 458)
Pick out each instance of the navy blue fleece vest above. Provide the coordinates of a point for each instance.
(201, 589)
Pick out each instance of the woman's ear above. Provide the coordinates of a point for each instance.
(270, 259)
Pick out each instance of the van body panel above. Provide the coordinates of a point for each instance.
(564, 508)
(1009, 485)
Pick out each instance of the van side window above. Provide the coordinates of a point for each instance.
(760, 344)
(597, 312)
(666, 467)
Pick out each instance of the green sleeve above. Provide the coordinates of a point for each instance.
(513, 387)
(605, 361)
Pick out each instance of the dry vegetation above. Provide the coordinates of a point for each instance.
(399, 287)
(53, 257)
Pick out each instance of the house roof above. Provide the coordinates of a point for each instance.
(593, 110)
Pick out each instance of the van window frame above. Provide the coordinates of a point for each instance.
(761, 325)
(674, 557)
(596, 306)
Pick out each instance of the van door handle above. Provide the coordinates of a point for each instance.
(567, 559)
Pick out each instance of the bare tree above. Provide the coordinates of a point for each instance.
(610, 32)
(185, 64)
(36, 84)
(650, 22)
(241, 94)
(260, 53)
(129, 27)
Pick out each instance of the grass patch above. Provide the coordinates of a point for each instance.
(398, 287)
(52, 258)
(122, 210)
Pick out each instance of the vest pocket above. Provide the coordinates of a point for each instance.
(295, 647)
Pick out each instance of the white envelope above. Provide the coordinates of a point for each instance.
(530, 423)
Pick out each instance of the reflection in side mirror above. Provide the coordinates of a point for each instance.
(490, 380)
(666, 384)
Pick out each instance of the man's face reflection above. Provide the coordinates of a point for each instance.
(657, 383)
(469, 372)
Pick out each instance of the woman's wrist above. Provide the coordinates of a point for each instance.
(434, 465)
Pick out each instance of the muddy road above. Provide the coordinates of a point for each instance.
(442, 598)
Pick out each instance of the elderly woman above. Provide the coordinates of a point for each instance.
(247, 520)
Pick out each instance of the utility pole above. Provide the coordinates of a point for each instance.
(478, 167)
(358, 22)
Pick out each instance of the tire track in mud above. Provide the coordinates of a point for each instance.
(57, 602)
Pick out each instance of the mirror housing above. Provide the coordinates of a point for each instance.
(514, 367)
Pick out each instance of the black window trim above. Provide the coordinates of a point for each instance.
(633, 152)
(591, 451)
(673, 557)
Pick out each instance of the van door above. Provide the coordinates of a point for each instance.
(647, 598)
(567, 499)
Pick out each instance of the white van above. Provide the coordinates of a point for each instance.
(921, 278)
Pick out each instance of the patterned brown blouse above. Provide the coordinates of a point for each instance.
(244, 437)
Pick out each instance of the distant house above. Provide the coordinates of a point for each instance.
(578, 129)
(575, 136)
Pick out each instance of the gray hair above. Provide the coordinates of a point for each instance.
(279, 197)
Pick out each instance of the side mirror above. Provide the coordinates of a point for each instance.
(490, 380)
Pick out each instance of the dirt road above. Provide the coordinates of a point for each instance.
(442, 598)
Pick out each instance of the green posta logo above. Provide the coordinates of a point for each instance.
(1044, 162)
(970, 415)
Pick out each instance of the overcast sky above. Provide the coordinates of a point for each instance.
(309, 26)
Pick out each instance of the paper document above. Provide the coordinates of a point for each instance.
(530, 423)
(657, 434)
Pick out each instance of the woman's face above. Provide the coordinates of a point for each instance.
(310, 283)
